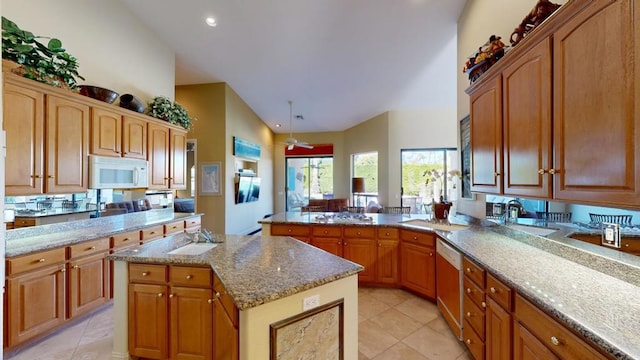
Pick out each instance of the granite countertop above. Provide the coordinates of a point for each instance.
(26, 240)
(254, 269)
(51, 212)
(591, 289)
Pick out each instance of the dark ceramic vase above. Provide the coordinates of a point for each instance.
(131, 102)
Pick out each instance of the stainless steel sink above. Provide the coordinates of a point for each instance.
(193, 249)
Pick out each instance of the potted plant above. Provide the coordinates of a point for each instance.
(163, 108)
(50, 63)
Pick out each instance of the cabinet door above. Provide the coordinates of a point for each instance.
(596, 109)
(418, 268)
(106, 133)
(24, 124)
(158, 156)
(363, 252)
(225, 335)
(526, 87)
(178, 160)
(134, 137)
(148, 321)
(387, 262)
(36, 303)
(528, 347)
(191, 323)
(486, 138)
(67, 134)
(330, 245)
(88, 284)
(498, 332)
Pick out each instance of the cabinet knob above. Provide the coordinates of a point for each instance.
(339, 243)
(325, 232)
(189, 277)
(468, 290)
(42, 260)
(496, 174)
(36, 176)
(289, 230)
(541, 171)
(75, 267)
(484, 304)
(430, 254)
(166, 178)
(415, 238)
(555, 341)
(51, 177)
(171, 296)
(358, 233)
(63, 270)
(153, 232)
(125, 239)
(145, 273)
(160, 295)
(344, 243)
(626, 245)
(387, 234)
(468, 314)
(468, 341)
(92, 248)
(469, 270)
(210, 301)
(217, 294)
(552, 171)
(493, 290)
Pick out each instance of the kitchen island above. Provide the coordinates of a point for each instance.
(588, 289)
(273, 286)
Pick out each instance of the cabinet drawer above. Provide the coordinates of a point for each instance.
(88, 247)
(192, 222)
(474, 343)
(20, 222)
(388, 233)
(500, 292)
(474, 272)
(474, 292)
(631, 245)
(417, 237)
(551, 333)
(147, 273)
(153, 232)
(359, 232)
(174, 227)
(289, 230)
(35, 261)
(190, 276)
(327, 231)
(226, 301)
(125, 239)
(475, 316)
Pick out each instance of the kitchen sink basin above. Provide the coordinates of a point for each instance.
(193, 249)
(435, 226)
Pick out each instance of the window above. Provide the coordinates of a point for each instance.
(428, 175)
(308, 178)
(365, 165)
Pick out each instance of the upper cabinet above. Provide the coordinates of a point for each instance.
(566, 104)
(47, 142)
(117, 135)
(167, 158)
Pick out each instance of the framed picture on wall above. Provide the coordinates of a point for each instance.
(210, 179)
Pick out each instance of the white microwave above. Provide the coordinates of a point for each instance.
(117, 173)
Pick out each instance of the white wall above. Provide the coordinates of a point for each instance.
(114, 50)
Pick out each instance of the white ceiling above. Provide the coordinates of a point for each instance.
(340, 61)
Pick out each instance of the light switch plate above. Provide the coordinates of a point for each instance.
(310, 302)
(611, 234)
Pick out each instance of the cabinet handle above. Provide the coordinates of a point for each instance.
(151, 233)
(555, 341)
(171, 296)
(496, 174)
(468, 290)
(36, 176)
(210, 301)
(51, 177)
(469, 270)
(469, 341)
(552, 171)
(484, 304)
(146, 273)
(63, 270)
(217, 294)
(189, 277)
(160, 294)
(493, 290)
(92, 248)
(125, 239)
(468, 314)
(42, 260)
(542, 171)
(166, 178)
(75, 267)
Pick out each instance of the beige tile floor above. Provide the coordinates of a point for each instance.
(393, 324)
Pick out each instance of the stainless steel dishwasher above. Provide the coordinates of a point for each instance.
(449, 285)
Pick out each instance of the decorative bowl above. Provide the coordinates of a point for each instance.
(98, 93)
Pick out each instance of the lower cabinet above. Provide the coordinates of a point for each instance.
(328, 244)
(498, 334)
(527, 346)
(88, 283)
(387, 262)
(417, 268)
(363, 252)
(176, 312)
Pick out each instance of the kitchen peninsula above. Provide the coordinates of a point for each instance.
(250, 294)
(584, 295)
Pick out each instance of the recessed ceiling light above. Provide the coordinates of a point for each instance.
(278, 125)
(211, 21)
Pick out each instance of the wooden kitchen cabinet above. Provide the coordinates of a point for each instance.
(526, 98)
(418, 268)
(300, 232)
(526, 346)
(486, 137)
(226, 324)
(113, 134)
(596, 105)
(23, 122)
(36, 289)
(362, 251)
(327, 238)
(167, 157)
(148, 321)
(387, 264)
(191, 319)
(498, 332)
(88, 283)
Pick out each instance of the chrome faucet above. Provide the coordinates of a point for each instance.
(204, 235)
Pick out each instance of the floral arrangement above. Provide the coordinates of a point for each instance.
(163, 108)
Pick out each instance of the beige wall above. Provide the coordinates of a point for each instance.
(113, 48)
(479, 20)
